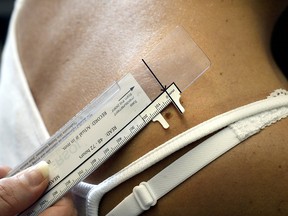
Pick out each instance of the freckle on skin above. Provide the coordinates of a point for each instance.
(168, 115)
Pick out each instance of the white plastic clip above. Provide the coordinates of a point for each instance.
(144, 196)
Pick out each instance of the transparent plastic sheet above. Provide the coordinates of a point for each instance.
(176, 58)
(170, 67)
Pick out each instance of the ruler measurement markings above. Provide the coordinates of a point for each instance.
(99, 147)
(142, 118)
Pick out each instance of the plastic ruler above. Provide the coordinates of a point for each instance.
(113, 118)
(93, 135)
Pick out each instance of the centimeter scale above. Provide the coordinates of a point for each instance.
(112, 119)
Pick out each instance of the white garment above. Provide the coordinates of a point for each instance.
(22, 130)
(147, 193)
(242, 122)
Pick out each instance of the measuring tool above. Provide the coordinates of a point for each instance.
(112, 119)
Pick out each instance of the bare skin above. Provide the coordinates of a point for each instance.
(67, 47)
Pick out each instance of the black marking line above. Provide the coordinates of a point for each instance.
(163, 88)
(98, 164)
(130, 90)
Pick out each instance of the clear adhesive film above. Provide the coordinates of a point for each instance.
(118, 114)
(175, 59)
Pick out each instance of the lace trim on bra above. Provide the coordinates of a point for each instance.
(252, 125)
(278, 92)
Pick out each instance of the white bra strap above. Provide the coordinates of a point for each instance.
(147, 193)
(217, 123)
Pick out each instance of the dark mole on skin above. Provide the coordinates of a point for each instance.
(168, 115)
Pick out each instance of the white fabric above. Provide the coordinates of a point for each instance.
(147, 193)
(22, 130)
(94, 196)
(248, 127)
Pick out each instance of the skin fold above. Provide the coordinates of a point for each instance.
(71, 50)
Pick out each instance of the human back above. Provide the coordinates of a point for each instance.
(70, 49)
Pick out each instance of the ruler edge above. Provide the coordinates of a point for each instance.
(108, 156)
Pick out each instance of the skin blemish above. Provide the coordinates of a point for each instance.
(168, 115)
